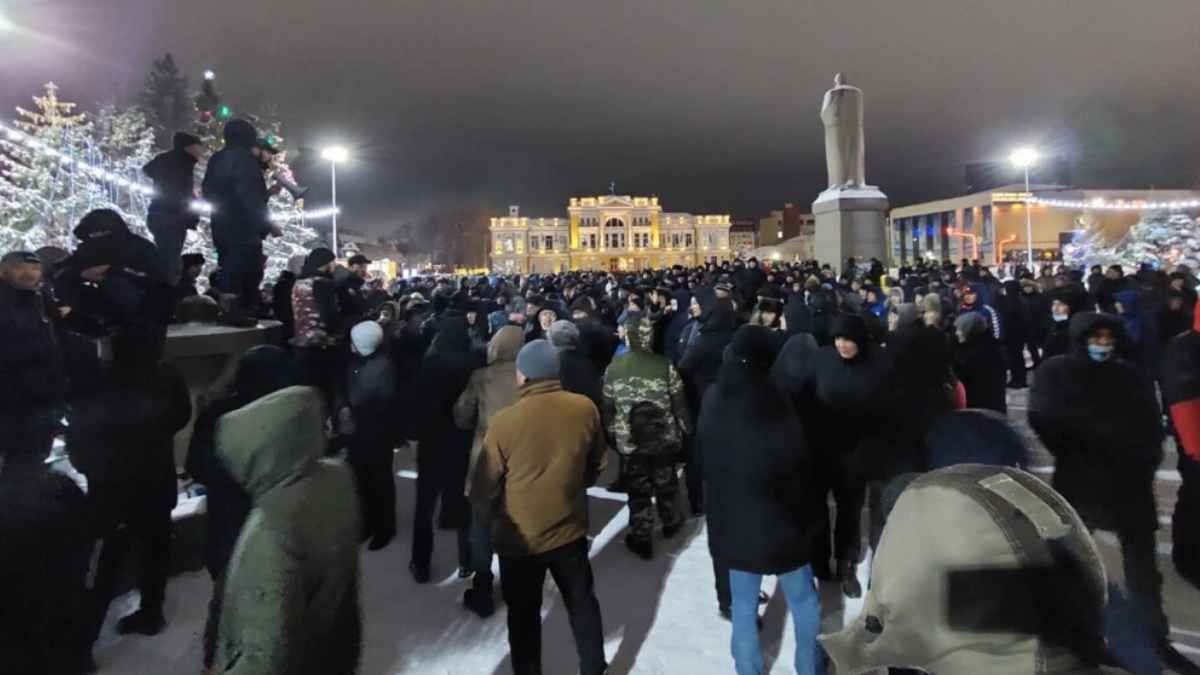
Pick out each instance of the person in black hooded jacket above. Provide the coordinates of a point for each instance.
(790, 365)
(443, 450)
(699, 365)
(702, 360)
(261, 370)
(823, 304)
(979, 363)
(234, 186)
(1065, 302)
(844, 402)
(1099, 416)
(757, 476)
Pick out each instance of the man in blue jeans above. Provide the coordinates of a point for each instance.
(799, 590)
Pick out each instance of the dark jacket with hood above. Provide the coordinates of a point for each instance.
(1058, 333)
(441, 379)
(757, 467)
(578, 374)
(788, 371)
(699, 366)
(234, 186)
(980, 365)
(260, 371)
(1102, 423)
(845, 403)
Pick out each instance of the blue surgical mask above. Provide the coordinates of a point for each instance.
(1059, 318)
(1100, 353)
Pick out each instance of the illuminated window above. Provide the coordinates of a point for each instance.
(508, 245)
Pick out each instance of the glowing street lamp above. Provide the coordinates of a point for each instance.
(334, 154)
(210, 75)
(1023, 158)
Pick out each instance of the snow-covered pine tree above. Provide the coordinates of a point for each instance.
(165, 101)
(1162, 238)
(42, 196)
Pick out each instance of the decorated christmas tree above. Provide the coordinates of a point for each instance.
(1162, 238)
(43, 189)
(125, 143)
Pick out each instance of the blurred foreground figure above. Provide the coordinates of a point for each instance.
(291, 591)
(1098, 415)
(980, 569)
(1181, 389)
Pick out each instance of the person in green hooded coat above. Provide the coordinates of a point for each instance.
(292, 587)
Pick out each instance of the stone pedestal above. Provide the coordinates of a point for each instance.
(850, 222)
(206, 356)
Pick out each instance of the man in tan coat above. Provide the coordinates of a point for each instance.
(490, 390)
(539, 457)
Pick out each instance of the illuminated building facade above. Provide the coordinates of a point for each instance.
(607, 233)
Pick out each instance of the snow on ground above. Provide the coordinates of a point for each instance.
(660, 617)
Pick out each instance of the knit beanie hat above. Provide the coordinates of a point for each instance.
(538, 360)
(563, 335)
(970, 325)
(366, 337)
(317, 258)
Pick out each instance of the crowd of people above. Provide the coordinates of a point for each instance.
(775, 390)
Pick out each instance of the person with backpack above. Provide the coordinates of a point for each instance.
(646, 413)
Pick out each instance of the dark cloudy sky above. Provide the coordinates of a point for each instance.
(710, 104)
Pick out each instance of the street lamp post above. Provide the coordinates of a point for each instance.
(333, 155)
(1024, 158)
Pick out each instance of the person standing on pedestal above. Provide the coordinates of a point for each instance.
(170, 216)
(234, 186)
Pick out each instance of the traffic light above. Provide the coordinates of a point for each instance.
(224, 112)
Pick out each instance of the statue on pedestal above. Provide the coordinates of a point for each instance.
(842, 113)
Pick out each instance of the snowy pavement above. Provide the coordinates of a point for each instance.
(660, 616)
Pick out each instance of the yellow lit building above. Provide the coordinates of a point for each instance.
(607, 233)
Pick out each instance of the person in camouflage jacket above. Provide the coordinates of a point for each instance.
(646, 414)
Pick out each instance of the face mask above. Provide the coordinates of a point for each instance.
(1059, 318)
(1100, 353)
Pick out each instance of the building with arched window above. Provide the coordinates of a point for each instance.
(608, 233)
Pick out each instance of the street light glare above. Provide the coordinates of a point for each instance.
(335, 154)
(210, 75)
(1024, 158)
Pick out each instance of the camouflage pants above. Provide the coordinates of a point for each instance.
(651, 479)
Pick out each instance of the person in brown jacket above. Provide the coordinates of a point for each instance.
(539, 457)
(490, 390)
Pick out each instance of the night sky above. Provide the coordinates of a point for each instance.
(712, 105)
